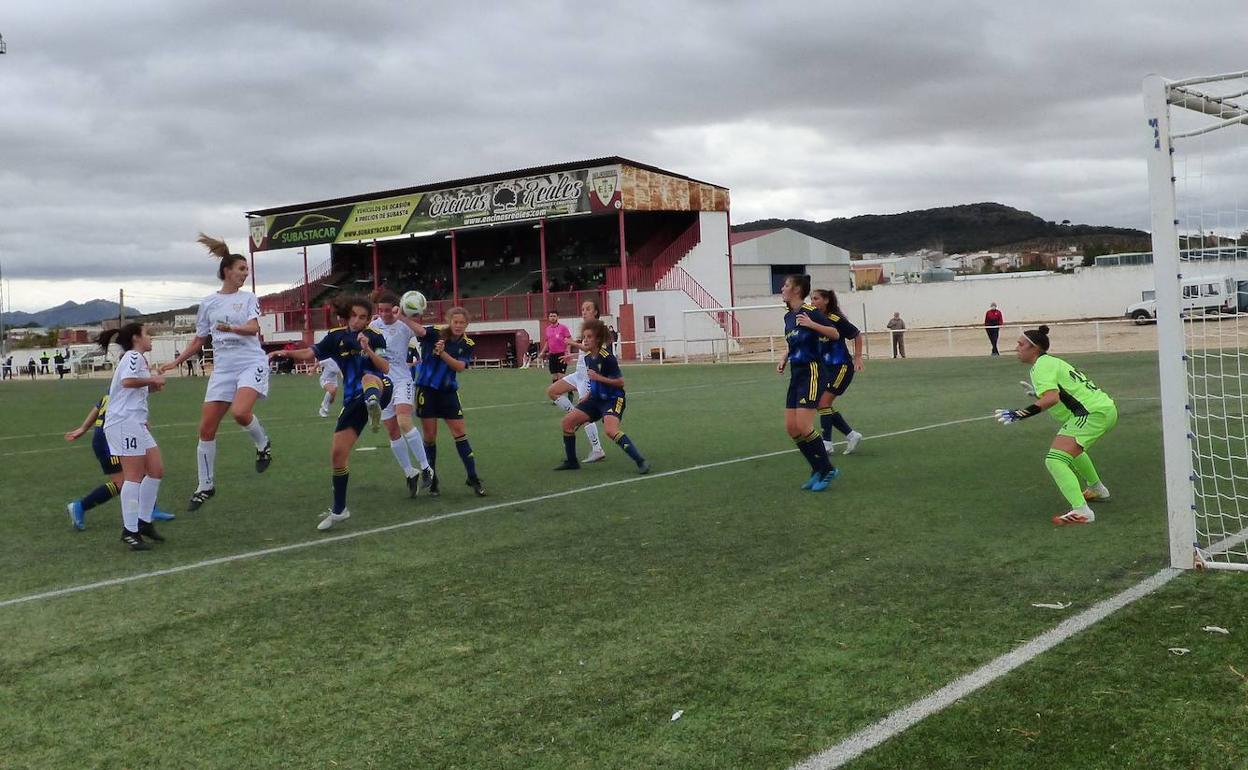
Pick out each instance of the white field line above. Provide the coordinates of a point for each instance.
(902, 720)
(431, 519)
(288, 419)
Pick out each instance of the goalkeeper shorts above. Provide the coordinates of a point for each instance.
(1087, 430)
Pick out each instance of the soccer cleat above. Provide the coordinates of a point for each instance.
(76, 515)
(413, 484)
(323, 412)
(825, 480)
(829, 447)
(374, 412)
(643, 467)
(330, 519)
(477, 487)
(426, 478)
(814, 478)
(433, 488)
(147, 530)
(264, 457)
(1092, 496)
(1075, 517)
(133, 540)
(596, 456)
(159, 515)
(568, 465)
(200, 497)
(851, 441)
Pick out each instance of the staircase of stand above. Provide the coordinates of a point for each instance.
(319, 279)
(657, 267)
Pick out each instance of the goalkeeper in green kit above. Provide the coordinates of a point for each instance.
(1086, 413)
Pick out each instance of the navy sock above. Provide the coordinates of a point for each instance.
(569, 446)
(838, 422)
(340, 489)
(825, 422)
(465, 453)
(100, 495)
(811, 446)
(431, 452)
(629, 447)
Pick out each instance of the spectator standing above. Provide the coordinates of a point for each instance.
(31, 368)
(59, 361)
(897, 329)
(992, 325)
(8, 368)
(43, 363)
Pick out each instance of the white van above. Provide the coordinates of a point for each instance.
(1203, 295)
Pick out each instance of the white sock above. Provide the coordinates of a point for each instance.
(416, 441)
(326, 401)
(399, 447)
(564, 403)
(207, 457)
(256, 431)
(591, 432)
(147, 497)
(130, 505)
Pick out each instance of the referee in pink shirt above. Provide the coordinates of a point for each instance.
(554, 345)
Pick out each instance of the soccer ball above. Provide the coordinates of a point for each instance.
(413, 303)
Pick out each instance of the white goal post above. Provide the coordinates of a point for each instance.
(1198, 175)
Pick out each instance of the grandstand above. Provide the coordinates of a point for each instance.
(646, 243)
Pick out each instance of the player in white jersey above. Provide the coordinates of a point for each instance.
(240, 368)
(406, 440)
(578, 382)
(125, 427)
(330, 374)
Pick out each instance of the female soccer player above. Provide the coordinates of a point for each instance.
(240, 371)
(330, 374)
(444, 353)
(604, 401)
(838, 369)
(1086, 413)
(406, 441)
(578, 382)
(125, 427)
(110, 464)
(366, 391)
(803, 328)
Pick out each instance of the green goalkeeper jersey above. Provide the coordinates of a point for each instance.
(1078, 395)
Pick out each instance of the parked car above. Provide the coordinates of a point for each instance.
(1200, 296)
(95, 361)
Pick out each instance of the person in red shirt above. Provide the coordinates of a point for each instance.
(992, 325)
(555, 338)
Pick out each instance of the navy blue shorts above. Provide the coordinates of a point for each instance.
(354, 414)
(837, 377)
(438, 404)
(109, 462)
(597, 408)
(804, 381)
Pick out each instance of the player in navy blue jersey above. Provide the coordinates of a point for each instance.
(605, 400)
(445, 351)
(110, 464)
(365, 388)
(838, 369)
(804, 330)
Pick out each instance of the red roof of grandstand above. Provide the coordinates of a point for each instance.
(551, 169)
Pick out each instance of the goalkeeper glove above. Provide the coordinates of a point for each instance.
(1011, 416)
(1028, 387)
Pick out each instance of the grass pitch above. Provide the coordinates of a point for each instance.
(565, 632)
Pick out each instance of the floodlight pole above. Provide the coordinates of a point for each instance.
(251, 253)
(307, 309)
(376, 266)
(541, 239)
(454, 270)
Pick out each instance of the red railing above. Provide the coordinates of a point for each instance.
(677, 279)
(646, 274)
(292, 298)
(322, 318)
(518, 307)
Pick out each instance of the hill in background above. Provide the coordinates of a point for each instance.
(69, 314)
(959, 229)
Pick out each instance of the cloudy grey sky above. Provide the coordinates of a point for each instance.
(126, 127)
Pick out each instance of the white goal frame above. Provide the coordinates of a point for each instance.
(1177, 430)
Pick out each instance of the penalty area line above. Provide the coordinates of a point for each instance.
(59, 592)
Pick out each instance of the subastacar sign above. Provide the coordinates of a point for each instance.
(591, 190)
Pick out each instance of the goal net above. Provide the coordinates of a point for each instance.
(1198, 185)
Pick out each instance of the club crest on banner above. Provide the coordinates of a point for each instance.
(259, 228)
(605, 186)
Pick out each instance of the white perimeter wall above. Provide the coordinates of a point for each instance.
(667, 307)
(708, 261)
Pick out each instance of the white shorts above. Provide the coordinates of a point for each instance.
(404, 393)
(578, 380)
(129, 439)
(330, 375)
(225, 381)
